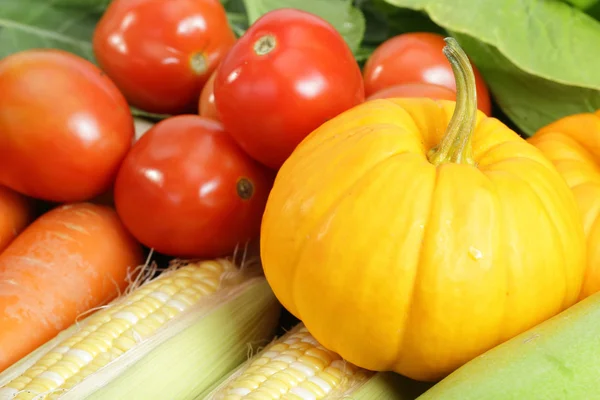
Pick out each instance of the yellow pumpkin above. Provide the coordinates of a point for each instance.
(573, 145)
(401, 254)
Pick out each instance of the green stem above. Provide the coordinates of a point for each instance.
(456, 145)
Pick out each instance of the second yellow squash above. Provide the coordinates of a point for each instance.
(573, 145)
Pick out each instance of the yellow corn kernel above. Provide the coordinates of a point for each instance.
(295, 367)
(111, 332)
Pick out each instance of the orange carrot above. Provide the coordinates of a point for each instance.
(68, 261)
(16, 212)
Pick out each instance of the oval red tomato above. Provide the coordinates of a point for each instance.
(186, 189)
(206, 106)
(161, 52)
(288, 74)
(64, 126)
(416, 57)
(415, 90)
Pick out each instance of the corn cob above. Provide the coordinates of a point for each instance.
(170, 338)
(297, 367)
(293, 367)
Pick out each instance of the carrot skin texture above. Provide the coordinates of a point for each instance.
(16, 213)
(68, 261)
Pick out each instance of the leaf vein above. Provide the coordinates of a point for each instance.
(45, 34)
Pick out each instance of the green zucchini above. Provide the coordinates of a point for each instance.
(558, 359)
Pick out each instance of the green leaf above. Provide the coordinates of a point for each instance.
(515, 90)
(234, 6)
(94, 5)
(27, 24)
(538, 57)
(238, 23)
(136, 112)
(236, 14)
(346, 18)
(594, 10)
(363, 53)
(582, 4)
(385, 21)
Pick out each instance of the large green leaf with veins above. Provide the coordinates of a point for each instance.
(28, 24)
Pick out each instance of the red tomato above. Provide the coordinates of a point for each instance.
(206, 106)
(416, 57)
(415, 90)
(186, 189)
(64, 126)
(288, 74)
(161, 52)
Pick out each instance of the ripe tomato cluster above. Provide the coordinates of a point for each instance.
(195, 184)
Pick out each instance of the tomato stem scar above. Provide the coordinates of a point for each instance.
(265, 44)
(244, 188)
(198, 63)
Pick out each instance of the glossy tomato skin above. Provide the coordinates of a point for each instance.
(64, 126)
(181, 189)
(288, 74)
(206, 106)
(415, 90)
(416, 57)
(161, 52)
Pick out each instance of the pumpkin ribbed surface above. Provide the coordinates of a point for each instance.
(398, 264)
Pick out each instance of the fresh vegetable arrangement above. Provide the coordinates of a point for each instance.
(299, 199)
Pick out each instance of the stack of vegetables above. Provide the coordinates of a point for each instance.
(209, 199)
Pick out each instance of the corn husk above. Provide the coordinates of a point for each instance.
(179, 360)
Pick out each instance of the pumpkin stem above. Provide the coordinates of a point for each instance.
(456, 146)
